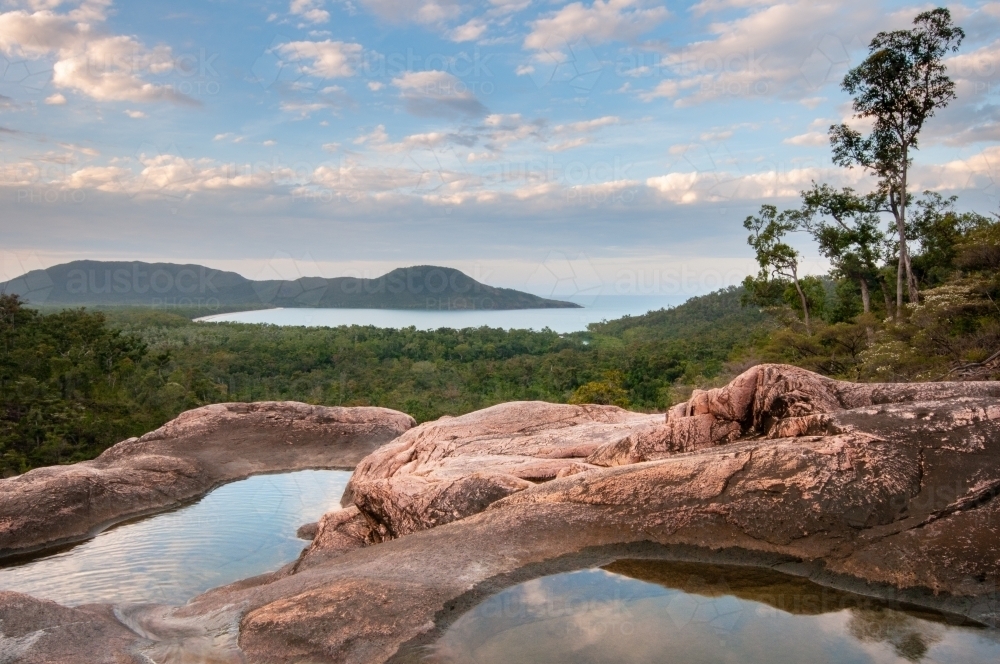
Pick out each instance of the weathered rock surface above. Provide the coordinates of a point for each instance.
(886, 489)
(184, 459)
(449, 469)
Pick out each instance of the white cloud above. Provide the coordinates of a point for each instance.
(469, 31)
(503, 130)
(90, 152)
(437, 93)
(426, 12)
(377, 136)
(269, 143)
(714, 136)
(85, 58)
(568, 145)
(56, 100)
(303, 109)
(136, 115)
(788, 49)
(375, 86)
(979, 171)
(587, 125)
(690, 187)
(812, 138)
(310, 10)
(378, 139)
(603, 21)
(325, 59)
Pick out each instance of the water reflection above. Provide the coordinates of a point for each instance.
(642, 611)
(237, 531)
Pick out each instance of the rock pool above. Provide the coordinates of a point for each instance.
(239, 530)
(652, 611)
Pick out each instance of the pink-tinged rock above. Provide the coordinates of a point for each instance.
(184, 459)
(446, 470)
(893, 488)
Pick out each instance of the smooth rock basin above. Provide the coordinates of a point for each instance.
(239, 530)
(652, 611)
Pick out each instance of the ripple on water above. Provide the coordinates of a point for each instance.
(239, 530)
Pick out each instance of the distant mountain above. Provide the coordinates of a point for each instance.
(111, 283)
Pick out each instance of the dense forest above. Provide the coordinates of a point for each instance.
(913, 294)
(74, 382)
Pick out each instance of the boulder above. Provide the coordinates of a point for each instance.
(182, 460)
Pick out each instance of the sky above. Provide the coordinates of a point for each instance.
(549, 146)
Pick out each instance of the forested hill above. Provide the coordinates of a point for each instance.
(105, 283)
(719, 314)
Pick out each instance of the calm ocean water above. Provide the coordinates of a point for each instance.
(607, 307)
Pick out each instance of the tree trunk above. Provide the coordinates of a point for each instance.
(899, 279)
(866, 302)
(911, 282)
(885, 296)
(805, 304)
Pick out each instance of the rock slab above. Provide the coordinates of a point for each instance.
(184, 459)
(890, 490)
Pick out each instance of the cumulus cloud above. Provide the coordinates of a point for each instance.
(790, 49)
(85, 58)
(136, 115)
(470, 31)
(310, 10)
(811, 138)
(55, 100)
(978, 171)
(425, 12)
(437, 93)
(602, 21)
(324, 59)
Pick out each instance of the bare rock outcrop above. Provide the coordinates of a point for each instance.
(772, 401)
(893, 490)
(457, 466)
(184, 459)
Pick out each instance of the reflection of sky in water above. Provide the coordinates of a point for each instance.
(239, 530)
(595, 616)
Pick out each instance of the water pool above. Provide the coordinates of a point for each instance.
(239, 530)
(660, 612)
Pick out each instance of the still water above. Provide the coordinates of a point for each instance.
(239, 530)
(559, 320)
(653, 612)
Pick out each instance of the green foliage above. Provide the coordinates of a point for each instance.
(75, 383)
(778, 261)
(608, 392)
(939, 231)
(64, 386)
(899, 86)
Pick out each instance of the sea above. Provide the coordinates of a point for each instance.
(563, 321)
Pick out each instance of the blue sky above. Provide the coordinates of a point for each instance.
(607, 143)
